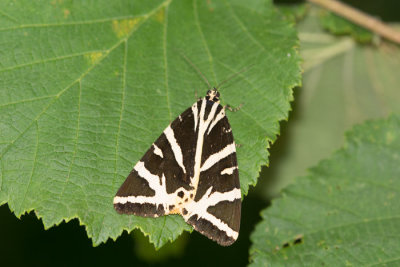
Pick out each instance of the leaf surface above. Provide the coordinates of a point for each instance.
(341, 26)
(85, 88)
(344, 212)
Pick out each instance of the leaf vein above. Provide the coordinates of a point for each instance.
(51, 59)
(204, 41)
(33, 170)
(8, 16)
(26, 100)
(321, 201)
(326, 229)
(243, 27)
(381, 263)
(121, 110)
(166, 83)
(161, 232)
(263, 96)
(75, 146)
(74, 23)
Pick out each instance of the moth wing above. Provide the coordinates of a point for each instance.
(159, 182)
(216, 209)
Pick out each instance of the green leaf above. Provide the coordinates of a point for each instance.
(86, 88)
(340, 26)
(345, 212)
(146, 251)
(344, 83)
(292, 11)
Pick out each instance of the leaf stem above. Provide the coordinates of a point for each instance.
(360, 18)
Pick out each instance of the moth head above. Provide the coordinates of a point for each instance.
(213, 95)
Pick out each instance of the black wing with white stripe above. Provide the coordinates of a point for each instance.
(191, 170)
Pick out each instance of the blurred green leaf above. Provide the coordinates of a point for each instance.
(86, 88)
(293, 12)
(146, 251)
(344, 83)
(340, 26)
(345, 212)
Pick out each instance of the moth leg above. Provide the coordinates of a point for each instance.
(238, 145)
(233, 109)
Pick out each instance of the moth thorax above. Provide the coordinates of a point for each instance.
(213, 95)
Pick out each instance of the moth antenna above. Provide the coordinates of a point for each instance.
(234, 75)
(197, 69)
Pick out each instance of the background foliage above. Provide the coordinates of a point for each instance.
(321, 113)
(344, 212)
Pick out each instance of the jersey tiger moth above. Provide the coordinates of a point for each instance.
(190, 170)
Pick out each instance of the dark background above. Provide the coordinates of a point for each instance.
(24, 242)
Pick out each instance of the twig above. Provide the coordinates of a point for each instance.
(360, 18)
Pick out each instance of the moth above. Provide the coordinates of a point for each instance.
(190, 170)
